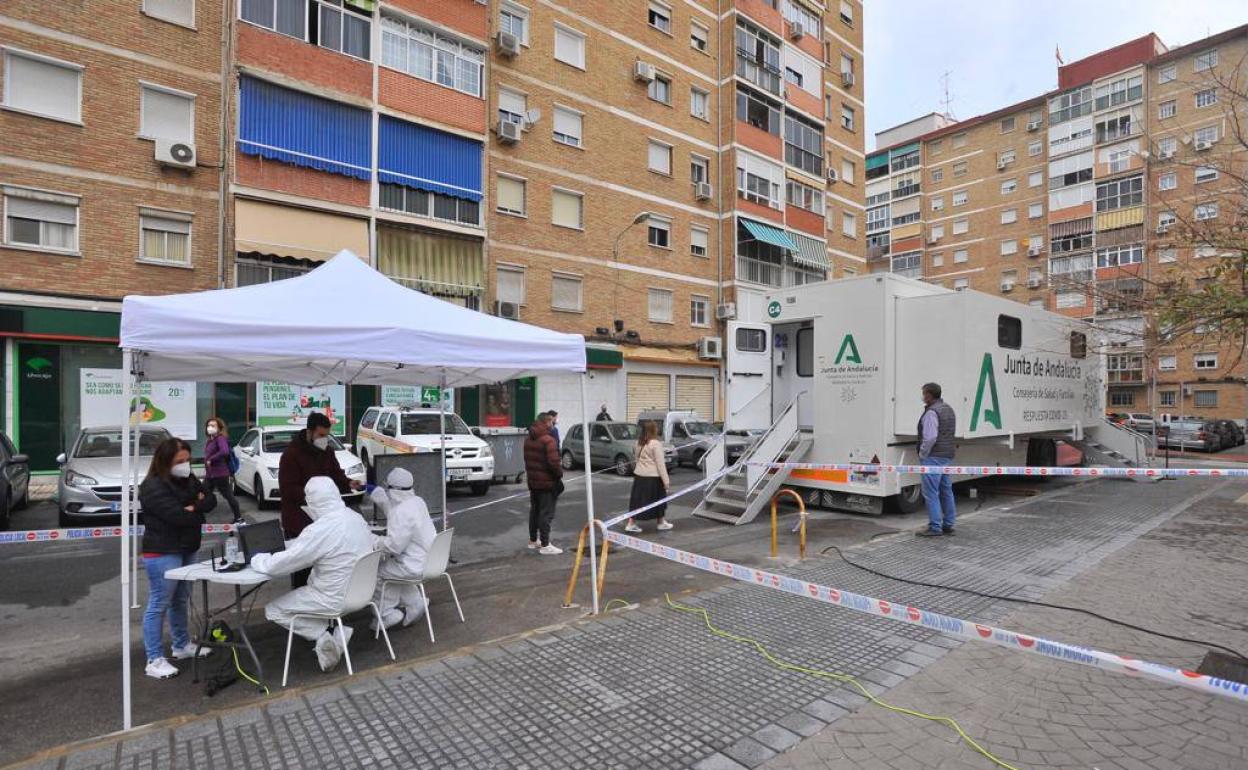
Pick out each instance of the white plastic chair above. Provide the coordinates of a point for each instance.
(359, 595)
(435, 567)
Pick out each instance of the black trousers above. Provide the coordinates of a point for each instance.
(224, 486)
(541, 514)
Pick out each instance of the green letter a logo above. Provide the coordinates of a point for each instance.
(992, 416)
(847, 344)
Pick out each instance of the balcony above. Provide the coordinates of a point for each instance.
(906, 190)
(760, 75)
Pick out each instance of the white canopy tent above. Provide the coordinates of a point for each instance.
(342, 323)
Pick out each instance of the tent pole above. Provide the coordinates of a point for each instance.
(589, 495)
(446, 515)
(127, 366)
(134, 481)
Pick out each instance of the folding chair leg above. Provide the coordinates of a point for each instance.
(455, 596)
(381, 626)
(428, 614)
(342, 636)
(290, 637)
(381, 603)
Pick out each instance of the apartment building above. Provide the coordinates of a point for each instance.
(111, 182)
(1073, 200)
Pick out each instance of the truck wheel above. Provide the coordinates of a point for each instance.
(623, 466)
(370, 474)
(479, 488)
(909, 500)
(1041, 453)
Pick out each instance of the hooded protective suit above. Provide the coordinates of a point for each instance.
(336, 539)
(409, 534)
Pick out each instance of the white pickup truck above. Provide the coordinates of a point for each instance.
(402, 430)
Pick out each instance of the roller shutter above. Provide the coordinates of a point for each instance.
(696, 393)
(647, 391)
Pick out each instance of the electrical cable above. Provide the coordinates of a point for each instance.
(836, 677)
(245, 675)
(1030, 602)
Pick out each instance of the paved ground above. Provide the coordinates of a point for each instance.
(651, 688)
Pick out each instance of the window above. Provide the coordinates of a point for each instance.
(659, 232)
(660, 306)
(1205, 251)
(510, 196)
(1119, 92)
(1074, 242)
(1035, 148)
(936, 146)
(1206, 97)
(1205, 361)
(698, 36)
(1167, 109)
(42, 86)
(847, 13)
(1206, 174)
(429, 56)
(1008, 186)
(959, 168)
(1006, 157)
(1035, 210)
(1167, 255)
(961, 226)
(1167, 74)
(1035, 179)
(421, 203)
(514, 19)
(698, 239)
(848, 168)
(1119, 160)
(960, 256)
(289, 17)
(1166, 397)
(1167, 181)
(1007, 125)
(660, 158)
(699, 103)
(510, 284)
(40, 220)
(566, 292)
(758, 56)
(1166, 220)
(1035, 275)
(1206, 61)
(961, 284)
(566, 209)
(1070, 105)
(1120, 194)
(960, 198)
(166, 114)
(959, 140)
(810, 198)
(1168, 363)
(803, 144)
(512, 106)
(847, 117)
(759, 112)
(1206, 211)
(1035, 244)
(938, 174)
(569, 46)
(1207, 134)
(1166, 146)
(909, 264)
(568, 125)
(937, 231)
(1120, 256)
(1009, 247)
(849, 225)
(175, 11)
(938, 203)
(1068, 299)
(1009, 332)
(1121, 398)
(796, 13)
(699, 310)
(759, 180)
(1009, 216)
(1205, 398)
(343, 29)
(938, 259)
(751, 340)
(1114, 127)
(699, 169)
(660, 89)
(660, 17)
(803, 71)
(847, 65)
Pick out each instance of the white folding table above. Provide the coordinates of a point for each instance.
(245, 578)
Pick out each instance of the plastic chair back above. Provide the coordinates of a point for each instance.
(362, 584)
(439, 555)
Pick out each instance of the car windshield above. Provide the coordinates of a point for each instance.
(107, 443)
(697, 428)
(1186, 425)
(624, 432)
(427, 425)
(277, 441)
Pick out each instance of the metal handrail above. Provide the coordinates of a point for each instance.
(801, 512)
(791, 408)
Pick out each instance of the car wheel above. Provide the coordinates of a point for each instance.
(6, 508)
(623, 466)
(567, 460)
(24, 503)
(63, 519)
(479, 488)
(257, 491)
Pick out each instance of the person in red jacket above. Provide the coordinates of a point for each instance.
(543, 473)
(308, 455)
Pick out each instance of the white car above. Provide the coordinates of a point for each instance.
(401, 430)
(259, 452)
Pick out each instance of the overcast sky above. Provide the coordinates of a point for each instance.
(1001, 51)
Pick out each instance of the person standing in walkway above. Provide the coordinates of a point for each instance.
(936, 432)
(603, 414)
(173, 503)
(544, 475)
(554, 429)
(217, 476)
(308, 455)
(650, 479)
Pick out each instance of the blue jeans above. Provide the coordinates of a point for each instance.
(938, 494)
(165, 597)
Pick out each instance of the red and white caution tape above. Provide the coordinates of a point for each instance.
(90, 533)
(1012, 470)
(964, 629)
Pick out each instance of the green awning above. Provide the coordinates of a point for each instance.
(810, 252)
(55, 322)
(898, 151)
(768, 234)
(601, 358)
(877, 160)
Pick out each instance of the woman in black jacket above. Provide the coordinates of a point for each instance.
(173, 504)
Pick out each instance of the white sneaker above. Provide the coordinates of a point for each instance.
(188, 652)
(159, 668)
(665, 526)
(413, 614)
(327, 652)
(633, 528)
(549, 550)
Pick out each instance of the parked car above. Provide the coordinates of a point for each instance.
(1232, 434)
(14, 480)
(90, 482)
(692, 436)
(402, 429)
(611, 444)
(259, 452)
(1140, 422)
(1191, 434)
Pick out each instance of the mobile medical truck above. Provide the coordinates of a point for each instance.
(835, 377)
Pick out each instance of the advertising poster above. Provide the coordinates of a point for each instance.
(415, 395)
(170, 405)
(498, 405)
(279, 403)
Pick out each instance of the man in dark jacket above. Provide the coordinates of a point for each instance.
(936, 430)
(543, 472)
(307, 456)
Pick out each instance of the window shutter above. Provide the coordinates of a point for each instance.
(698, 238)
(565, 292)
(510, 101)
(567, 123)
(44, 211)
(660, 158)
(660, 305)
(510, 194)
(177, 11)
(42, 87)
(569, 47)
(168, 116)
(565, 209)
(511, 285)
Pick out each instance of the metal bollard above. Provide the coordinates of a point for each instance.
(576, 563)
(801, 512)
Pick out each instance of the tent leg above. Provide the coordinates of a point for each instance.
(127, 361)
(134, 523)
(589, 494)
(446, 514)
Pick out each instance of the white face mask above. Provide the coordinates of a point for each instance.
(321, 443)
(181, 470)
(211, 430)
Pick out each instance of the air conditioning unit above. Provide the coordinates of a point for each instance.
(1187, 390)
(1165, 155)
(847, 79)
(711, 348)
(643, 72)
(1001, 164)
(702, 191)
(1033, 125)
(1034, 283)
(833, 177)
(507, 44)
(1202, 145)
(796, 32)
(1007, 286)
(726, 312)
(509, 310)
(1163, 229)
(509, 132)
(176, 154)
(1034, 251)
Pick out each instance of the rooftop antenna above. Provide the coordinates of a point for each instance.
(946, 100)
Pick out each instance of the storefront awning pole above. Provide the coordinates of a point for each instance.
(446, 514)
(589, 494)
(126, 367)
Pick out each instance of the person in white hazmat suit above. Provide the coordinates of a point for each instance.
(409, 535)
(337, 538)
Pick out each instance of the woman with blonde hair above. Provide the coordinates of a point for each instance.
(650, 480)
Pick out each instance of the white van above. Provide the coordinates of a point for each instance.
(401, 430)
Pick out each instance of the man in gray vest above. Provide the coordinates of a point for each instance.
(936, 431)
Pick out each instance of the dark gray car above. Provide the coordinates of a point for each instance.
(611, 444)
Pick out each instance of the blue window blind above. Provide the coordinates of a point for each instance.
(293, 127)
(427, 159)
